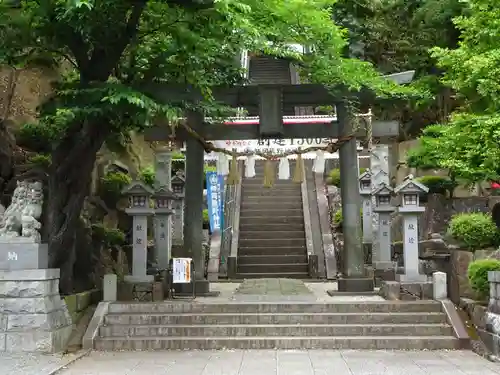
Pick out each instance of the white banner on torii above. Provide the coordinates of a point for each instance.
(275, 146)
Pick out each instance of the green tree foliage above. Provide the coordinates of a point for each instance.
(110, 48)
(468, 145)
(478, 276)
(397, 35)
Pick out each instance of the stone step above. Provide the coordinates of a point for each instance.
(289, 234)
(276, 318)
(211, 343)
(272, 268)
(259, 178)
(272, 227)
(271, 259)
(273, 275)
(271, 198)
(362, 307)
(272, 242)
(267, 212)
(287, 219)
(294, 204)
(289, 330)
(263, 192)
(274, 250)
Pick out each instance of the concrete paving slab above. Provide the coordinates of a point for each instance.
(281, 362)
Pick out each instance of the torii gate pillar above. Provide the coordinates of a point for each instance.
(354, 278)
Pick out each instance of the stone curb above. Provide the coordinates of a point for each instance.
(64, 366)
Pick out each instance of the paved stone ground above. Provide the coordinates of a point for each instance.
(256, 362)
(33, 364)
(228, 292)
(273, 290)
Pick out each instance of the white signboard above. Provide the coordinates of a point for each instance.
(181, 269)
(277, 146)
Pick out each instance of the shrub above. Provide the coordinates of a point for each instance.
(473, 230)
(334, 176)
(110, 237)
(40, 160)
(147, 175)
(205, 216)
(338, 218)
(178, 162)
(36, 137)
(438, 184)
(112, 185)
(478, 275)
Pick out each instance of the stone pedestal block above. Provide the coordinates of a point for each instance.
(23, 256)
(439, 286)
(33, 317)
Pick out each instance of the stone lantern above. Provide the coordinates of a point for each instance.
(178, 184)
(365, 192)
(163, 198)
(139, 208)
(409, 191)
(384, 209)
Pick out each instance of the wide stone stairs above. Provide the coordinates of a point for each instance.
(271, 234)
(342, 325)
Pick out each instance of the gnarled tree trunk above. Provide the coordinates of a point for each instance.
(69, 183)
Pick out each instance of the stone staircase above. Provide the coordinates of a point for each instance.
(271, 235)
(344, 325)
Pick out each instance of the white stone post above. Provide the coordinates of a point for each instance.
(110, 288)
(139, 208)
(383, 208)
(379, 167)
(439, 286)
(411, 209)
(365, 192)
(162, 222)
(178, 183)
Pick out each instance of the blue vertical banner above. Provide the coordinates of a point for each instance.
(215, 185)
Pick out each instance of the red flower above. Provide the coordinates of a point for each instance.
(495, 185)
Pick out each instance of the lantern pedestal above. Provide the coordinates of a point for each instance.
(410, 191)
(139, 208)
(382, 261)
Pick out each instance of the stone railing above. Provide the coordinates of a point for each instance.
(227, 230)
(230, 234)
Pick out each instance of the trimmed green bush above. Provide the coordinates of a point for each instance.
(206, 220)
(112, 185)
(40, 160)
(475, 230)
(478, 275)
(334, 176)
(111, 237)
(147, 175)
(178, 162)
(37, 137)
(338, 218)
(438, 184)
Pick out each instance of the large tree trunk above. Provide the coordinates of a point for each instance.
(69, 182)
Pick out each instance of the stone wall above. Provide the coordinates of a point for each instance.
(78, 303)
(34, 318)
(486, 320)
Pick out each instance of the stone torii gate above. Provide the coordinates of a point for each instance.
(270, 99)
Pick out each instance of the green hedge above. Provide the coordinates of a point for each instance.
(478, 276)
(338, 218)
(438, 184)
(475, 230)
(111, 186)
(333, 177)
